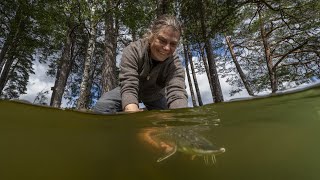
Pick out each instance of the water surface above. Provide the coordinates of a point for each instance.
(266, 138)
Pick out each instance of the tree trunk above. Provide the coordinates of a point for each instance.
(188, 76)
(205, 63)
(63, 70)
(90, 84)
(16, 26)
(162, 7)
(5, 49)
(194, 77)
(267, 52)
(134, 35)
(10, 45)
(85, 83)
(5, 73)
(1, 66)
(218, 97)
(109, 77)
(242, 75)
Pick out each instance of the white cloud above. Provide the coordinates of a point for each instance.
(206, 92)
(41, 82)
(38, 82)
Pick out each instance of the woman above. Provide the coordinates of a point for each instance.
(150, 72)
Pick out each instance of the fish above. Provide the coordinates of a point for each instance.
(182, 139)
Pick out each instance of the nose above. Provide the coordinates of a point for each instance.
(167, 47)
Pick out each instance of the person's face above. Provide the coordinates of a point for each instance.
(164, 44)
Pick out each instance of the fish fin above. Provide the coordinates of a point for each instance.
(174, 150)
(213, 158)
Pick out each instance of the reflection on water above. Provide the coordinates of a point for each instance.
(181, 136)
(192, 116)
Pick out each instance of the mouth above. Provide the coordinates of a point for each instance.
(163, 53)
(215, 152)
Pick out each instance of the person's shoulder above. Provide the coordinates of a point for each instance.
(174, 58)
(175, 61)
(136, 49)
(140, 43)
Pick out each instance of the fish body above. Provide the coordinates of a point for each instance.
(186, 140)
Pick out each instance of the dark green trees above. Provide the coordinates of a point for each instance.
(258, 45)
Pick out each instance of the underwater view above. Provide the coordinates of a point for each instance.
(275, 137)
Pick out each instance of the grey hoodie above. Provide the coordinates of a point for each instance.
(140, 81)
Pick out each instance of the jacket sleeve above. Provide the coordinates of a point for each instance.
(129, 77)
(175, 85)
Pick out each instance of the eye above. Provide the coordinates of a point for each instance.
(173, 44)
(162, 40)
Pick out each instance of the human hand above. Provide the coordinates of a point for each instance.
(131, 108)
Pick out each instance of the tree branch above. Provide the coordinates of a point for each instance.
(297, 63)
(289, 52)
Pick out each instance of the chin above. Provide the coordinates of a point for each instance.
(162, 59)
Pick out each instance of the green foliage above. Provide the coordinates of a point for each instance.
(41, 98)
(46, 23)
(136, 15)
(292, 29)
(19, 36)
(219, 17)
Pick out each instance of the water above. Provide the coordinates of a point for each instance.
(269, 138)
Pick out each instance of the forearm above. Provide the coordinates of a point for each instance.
(175, 87)
(129, 79)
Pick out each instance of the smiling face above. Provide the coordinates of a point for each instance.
(163, 44)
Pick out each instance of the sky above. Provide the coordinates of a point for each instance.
(41, 82)
(38, 82)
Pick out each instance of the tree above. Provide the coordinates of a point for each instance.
(203, 21)
(276, 43)
(20, 42)
(41, 98)
(86, 82)
(194, 76)
(241, 73)
(109, 78)
(202, 58)
(66, 60)
(286, 45)
(162, 7)
(186, 60)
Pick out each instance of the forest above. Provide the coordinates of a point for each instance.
(256, 45)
